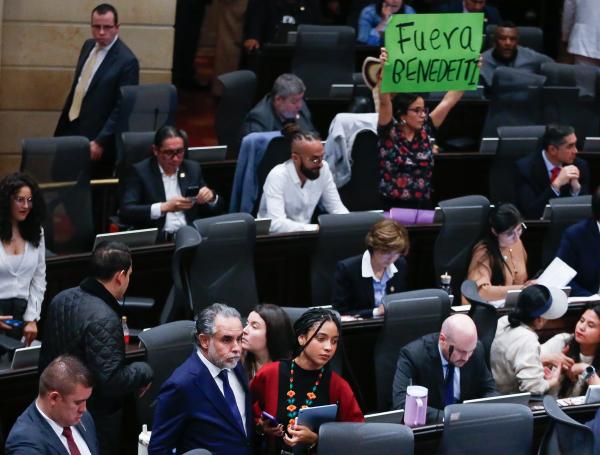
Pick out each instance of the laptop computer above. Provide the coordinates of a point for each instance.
(26, 357)
(138, 237)
(396, 416)
(512, 296)
(262, 226)
(515, 398)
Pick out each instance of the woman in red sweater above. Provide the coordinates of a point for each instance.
(283, 388)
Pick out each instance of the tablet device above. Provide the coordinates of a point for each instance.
(593, 394)
(396, 416)
(314, 417)
(26, 357)
(262, 226)
(513, 295)
(515, 398)
(138, 237)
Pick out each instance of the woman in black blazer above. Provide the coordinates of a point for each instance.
(361, 281)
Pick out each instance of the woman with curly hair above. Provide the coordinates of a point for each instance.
(22, 255)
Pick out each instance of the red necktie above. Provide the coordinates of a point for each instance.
(554, 173)
(67, 433)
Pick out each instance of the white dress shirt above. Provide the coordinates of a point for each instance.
(25, 278)
(236, 386)
(101, 55)
(173, 220)
(58, 429)
(290, 205)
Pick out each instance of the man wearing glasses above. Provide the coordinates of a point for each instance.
(450, 364)
(166, 190)
(105, 64)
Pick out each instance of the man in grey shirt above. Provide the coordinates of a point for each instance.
(507, 52)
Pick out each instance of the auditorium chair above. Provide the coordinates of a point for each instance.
(464, 221)
(564, 435)
(167, 347)
(135, 146)
(324, 55)
(145, 107)
(515, 99)
(408, 316)
(484, 315)
(198, 452)
(179, 304)
(487, 429)
(351, 438)
(532, 37)
(61, 166)
(237, 98)
(340, 236)
(221, 267)
(361, 192)
(564, 211)
(278, 151)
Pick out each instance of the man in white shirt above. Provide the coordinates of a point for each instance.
(206, 403)
(105, 65)
(293, 189)
(57, 421)
(166, 191)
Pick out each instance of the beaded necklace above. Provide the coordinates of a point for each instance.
(311, 396)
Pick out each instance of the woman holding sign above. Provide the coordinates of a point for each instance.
(280, 389)
(405, 147)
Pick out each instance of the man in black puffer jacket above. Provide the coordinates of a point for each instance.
(85, 321)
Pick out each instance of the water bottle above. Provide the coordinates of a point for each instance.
(125, 329)
(445, 280)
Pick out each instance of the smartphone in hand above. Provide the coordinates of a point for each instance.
(272, 420)
(192, 191)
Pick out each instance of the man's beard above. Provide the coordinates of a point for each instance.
(310, 174)
(219, 362)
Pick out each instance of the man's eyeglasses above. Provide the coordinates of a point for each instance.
(419, 110)
(316, 160)
(173, 153)
(20, 200)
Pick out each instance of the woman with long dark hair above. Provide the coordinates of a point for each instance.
(268, 336)
(499, 260)
(22, 254)
(405, 147)
(583, 347)
(515, 357)
(282, 388)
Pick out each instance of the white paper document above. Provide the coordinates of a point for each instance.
(558, 274)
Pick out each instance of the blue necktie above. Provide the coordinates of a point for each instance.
(230, 398)
(449, 385)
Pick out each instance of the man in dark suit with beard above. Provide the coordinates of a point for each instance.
(105, 65)
(450, 364)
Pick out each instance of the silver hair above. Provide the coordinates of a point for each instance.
(205, 323)
(287, 85)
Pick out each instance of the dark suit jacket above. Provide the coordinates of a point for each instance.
(491, 13)
(191, 413)
(31, 434)
(100, 105)
(420, 362)
(534, 191)
(263, 118)
(143, 187)
(580, 248)
(353, 294)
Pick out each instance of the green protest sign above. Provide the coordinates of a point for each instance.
(432, 52)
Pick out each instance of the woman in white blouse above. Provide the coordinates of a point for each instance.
(581, 30)
(22, 254)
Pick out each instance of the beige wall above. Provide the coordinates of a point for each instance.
(39, 46)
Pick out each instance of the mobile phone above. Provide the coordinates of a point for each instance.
(13, 322)
(272, 420)
(192, 191)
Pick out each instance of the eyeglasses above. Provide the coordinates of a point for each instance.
(20, 200)
(172, 153)
(419, 110)
(516, 232)
(316, 160)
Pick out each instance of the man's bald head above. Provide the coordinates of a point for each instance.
(458, 339)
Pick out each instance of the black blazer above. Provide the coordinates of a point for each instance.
(143, 187)
(420, 362)
(534, 191)
(100, 105)
(490, 13)
(31, 433)
(353, 294)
